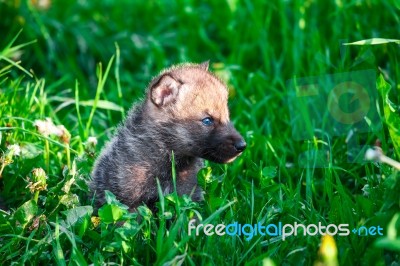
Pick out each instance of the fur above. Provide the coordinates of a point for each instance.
(170, 119)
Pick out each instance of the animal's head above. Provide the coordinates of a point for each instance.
(191, 104)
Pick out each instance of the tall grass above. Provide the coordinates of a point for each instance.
(54, 69)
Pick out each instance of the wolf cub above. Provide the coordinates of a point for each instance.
(185, 111)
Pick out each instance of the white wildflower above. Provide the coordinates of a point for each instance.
(47, 128)
(14, 149)
(373, 154)
(92, 141)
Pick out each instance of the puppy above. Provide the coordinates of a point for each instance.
(185, 112)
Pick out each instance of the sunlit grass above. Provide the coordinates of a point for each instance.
(82, 66)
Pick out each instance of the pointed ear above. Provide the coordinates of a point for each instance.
(164, 90)
(204, 65)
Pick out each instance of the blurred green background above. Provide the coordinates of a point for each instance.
(258, 45)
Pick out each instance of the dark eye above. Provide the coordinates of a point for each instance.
(208, 121)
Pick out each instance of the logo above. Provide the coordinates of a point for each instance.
(333, 105)
(359, 94)
(283, 230)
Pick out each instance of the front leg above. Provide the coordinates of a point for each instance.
(187, 181)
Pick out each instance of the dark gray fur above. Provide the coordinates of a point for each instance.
(141, 149)
(138, 142)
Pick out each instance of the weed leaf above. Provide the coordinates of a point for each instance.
(373, 41)
(392, 117)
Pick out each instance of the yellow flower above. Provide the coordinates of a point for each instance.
(328, 251)
(95, 221)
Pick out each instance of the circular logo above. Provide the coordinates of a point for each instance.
(359, 93)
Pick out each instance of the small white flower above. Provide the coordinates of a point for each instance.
(14, 149)
(47, 127)
(92, 141)
(373, 154)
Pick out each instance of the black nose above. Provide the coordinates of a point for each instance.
(240, 145)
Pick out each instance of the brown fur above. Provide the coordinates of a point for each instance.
(171, 119)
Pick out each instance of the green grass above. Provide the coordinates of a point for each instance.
(83, 65)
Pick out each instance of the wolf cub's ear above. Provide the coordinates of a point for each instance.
(164, 90)
(205, 65)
